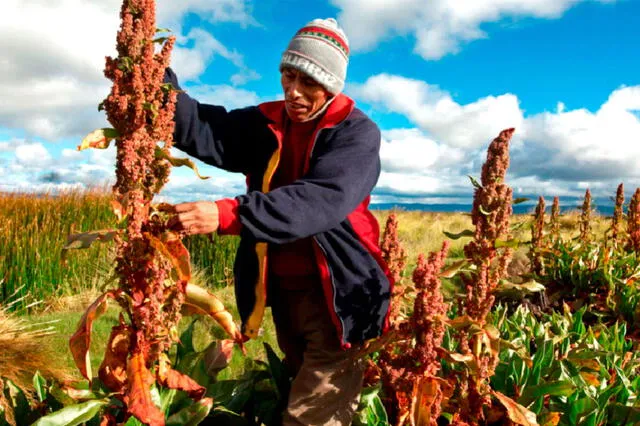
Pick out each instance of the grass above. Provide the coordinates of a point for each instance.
(38, 226)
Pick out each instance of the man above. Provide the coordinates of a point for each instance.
(308, 240)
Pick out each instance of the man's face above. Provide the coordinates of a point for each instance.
(302, 94)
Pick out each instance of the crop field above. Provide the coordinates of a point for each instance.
(567, 357)
(110, 314)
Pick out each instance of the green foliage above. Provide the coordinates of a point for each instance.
(585, 375)
(213, 256)
(370, 411)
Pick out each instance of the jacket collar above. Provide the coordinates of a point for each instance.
(338, 110)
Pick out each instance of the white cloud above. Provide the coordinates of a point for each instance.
(33, 155)
(575, 145)
(411, 151)
(228, 96)
(53, 57)
(440, 27)
(435, 111)
(552, 153)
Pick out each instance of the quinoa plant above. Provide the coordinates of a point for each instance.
(395, 257)
(489, 254)
(537, 234)
(409, 367)
(152, 264)
(633, 222)
(585, 218)
(618, 214)
(554, 221)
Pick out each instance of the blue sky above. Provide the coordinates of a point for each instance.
(440, 77)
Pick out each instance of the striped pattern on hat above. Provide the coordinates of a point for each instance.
(320, 49)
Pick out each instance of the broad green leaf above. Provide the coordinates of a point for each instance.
(178, 162)
(74, 414)
(558, 388)
(40, 385)
(191, 415)
(465, 233)
(99, 139)
(278, 372)
(163, 30)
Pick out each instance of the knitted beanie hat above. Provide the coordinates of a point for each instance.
(320, 49)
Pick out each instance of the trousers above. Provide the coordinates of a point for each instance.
(327, 380)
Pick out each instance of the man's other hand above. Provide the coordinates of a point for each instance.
(200, 217)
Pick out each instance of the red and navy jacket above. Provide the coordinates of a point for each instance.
(329, 204)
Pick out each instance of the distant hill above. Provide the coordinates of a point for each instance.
(466, 208)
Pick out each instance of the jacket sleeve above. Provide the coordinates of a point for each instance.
(343, 173)
(211, 133)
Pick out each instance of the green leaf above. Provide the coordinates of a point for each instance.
(474, 182)
(178, 162)
(186, 341)
(74, 414)
(465, 233)
(133, 422)
(148, 106)
(513, 243)
(160, 40)
(40, 385)
(192, 414)
(278, 372)
(125, 64)
(520, 200)
(557, 388)
(163, 30)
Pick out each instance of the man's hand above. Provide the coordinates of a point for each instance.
(200, 217)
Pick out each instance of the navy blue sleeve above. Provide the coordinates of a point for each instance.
(344, 170)
(211, 133)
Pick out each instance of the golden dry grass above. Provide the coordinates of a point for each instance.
(26, 348)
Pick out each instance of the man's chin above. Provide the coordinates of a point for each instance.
(297, 116)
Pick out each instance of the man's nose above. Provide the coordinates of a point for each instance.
(293, 90)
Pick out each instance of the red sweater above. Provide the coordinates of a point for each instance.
(296, 258)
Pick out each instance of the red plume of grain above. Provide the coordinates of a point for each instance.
(633, 222)
(395, 257)
(492, 210)
(412, 362)
(537, 233)
(585, 218)
(616, 224)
